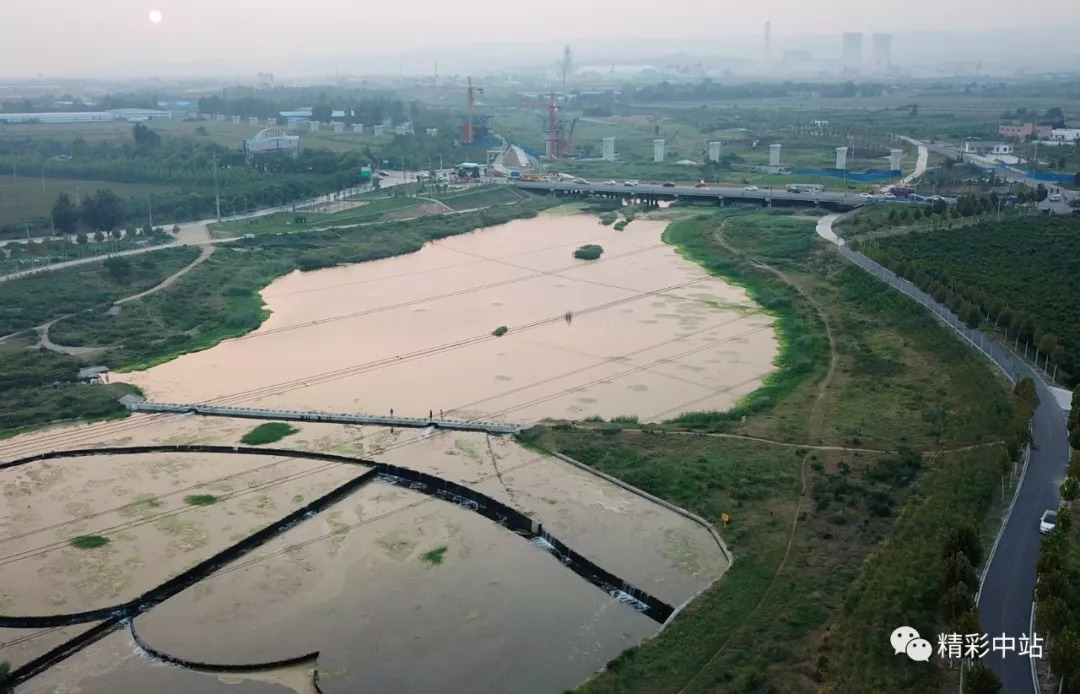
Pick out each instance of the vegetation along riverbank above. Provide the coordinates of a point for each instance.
(217, 300)
(909, 430)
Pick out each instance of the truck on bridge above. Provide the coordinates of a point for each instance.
(805, 188)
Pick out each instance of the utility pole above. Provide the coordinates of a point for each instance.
(150, 206)
(217, 191)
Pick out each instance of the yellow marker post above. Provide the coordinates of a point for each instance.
(724, 517)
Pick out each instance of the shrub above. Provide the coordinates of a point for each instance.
(435, 556)
(200, 499)
(89, 541)
(268, 433)
(588, 252)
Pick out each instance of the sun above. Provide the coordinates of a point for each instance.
(156, 16)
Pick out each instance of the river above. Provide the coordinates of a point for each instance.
(650, 335)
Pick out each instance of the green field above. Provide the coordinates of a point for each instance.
(373, 210)
(1020, 274)
(830, 546)
(23, 197)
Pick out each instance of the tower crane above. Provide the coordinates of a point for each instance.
(470, 94)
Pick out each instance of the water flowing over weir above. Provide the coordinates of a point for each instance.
(117, 616)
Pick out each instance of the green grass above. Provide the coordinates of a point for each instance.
(435, 556)
(268, 432)
(30, 301)
(373, 210)
(22, 197)
(202, 499)
(484, 196)
(88, 541)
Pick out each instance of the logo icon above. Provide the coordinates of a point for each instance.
(906, 640)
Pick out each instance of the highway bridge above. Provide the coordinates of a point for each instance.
(651, 193)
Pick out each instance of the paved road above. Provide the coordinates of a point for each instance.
(1005, 599)
(1061, 207)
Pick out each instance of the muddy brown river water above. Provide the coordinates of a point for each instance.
(651, 335)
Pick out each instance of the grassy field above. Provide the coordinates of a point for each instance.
(831, 546)
(23, 197)
(484, 196)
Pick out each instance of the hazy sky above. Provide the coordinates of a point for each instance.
(81, 37)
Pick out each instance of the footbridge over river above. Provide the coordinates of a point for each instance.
(651, 194)
(136, 404)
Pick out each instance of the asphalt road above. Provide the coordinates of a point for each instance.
(1005, 598)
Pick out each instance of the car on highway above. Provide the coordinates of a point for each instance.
(866, 196)
(668, 184)
(1048, 521)
(630, 183)
(701, 184)
(751, 188)
(610, 183)
(889, 196)
(579, 181)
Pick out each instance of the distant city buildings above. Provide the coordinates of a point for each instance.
(882, 52)
(852, 56)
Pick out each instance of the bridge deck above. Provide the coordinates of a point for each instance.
(316, 416)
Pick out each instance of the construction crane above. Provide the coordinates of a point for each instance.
(468, 136)
(559, 138)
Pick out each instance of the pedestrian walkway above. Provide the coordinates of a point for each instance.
(136, 404)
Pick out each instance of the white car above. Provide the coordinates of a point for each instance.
(890, 196)
(866, 196)
(1056, 197)
(610, 183)
(750, 188)
(630, 183)
(1048, 520)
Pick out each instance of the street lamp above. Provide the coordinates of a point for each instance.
(58, 156)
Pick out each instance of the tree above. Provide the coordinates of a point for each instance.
(957, 569)
(1065, 653)
(956, 601)
(103, 211)
(322, 112)
(1040, 193)
(1051, 615)
(965, 538)
(119, 268)
(566, 64)
(145, 138)
(1070, 489)
(65, 216)
(99, 237)
(980, 679)
(82, 239)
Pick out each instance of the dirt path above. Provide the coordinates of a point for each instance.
(439, 202)
(811, 424)
(43, 330)
(206, 251)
